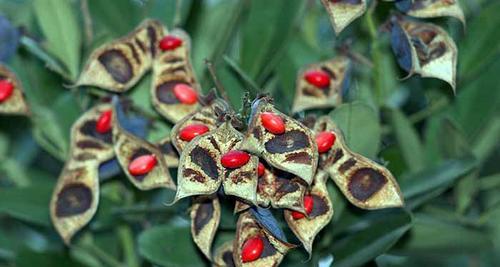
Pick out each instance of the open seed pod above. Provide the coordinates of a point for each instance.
(11, 93)
(343, 12)
(365, 183)
(280, 140)
(321, 85)
(142, 162)
(432, 8)
(174, 88)
(223, 256)
(118, 65)
(76, 195)
(205, 217)
(169, 152)
(318, 215)
(255, 246)
(201, 170)
(425, 49)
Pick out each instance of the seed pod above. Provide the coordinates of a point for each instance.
(129, 148)
(169, 152)
(365, 183)
(309, 95)
(343, 12)
(293, 151)
(273, 250)
(174, 81)
(205, 217)
(118, 65)
(11, 93)
(425, 49)
(223, 256)
(201, 172)
(432, 9)
(308, 227)
(75, 198)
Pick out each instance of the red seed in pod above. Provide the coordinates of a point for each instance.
(317, 78)
(170, 42)
(185, 93)
(234, 159)
(261, 169)
(6, 90)
(325, 141)
(272, 122)
(190, 131)
(103, 124)
(308, 207)
(252, 249)
(142, 165)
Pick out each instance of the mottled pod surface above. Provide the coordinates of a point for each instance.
(343, 12)
(12, 100)
(205, 216)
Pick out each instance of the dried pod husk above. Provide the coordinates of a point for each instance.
(169, 152)
(223, 256)
(118, 65)
(205, 217)
(76, 195)
(293, 151)
(343, 12)
(274, 250)
(365, 183)
(432, 8)
(15, 104)
(308, 227)
(425, 49)
(309, 96)
(129, 147)
(171, 68)
(201, 172)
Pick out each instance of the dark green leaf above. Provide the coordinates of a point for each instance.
(408, 141)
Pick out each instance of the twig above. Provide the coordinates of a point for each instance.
(217, 83)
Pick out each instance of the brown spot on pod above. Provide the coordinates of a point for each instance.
(117, 65)
(205, 160)
(11, 94)
(365, 183)
(205, 217)
(343, 12)
(310, 95)
(223, 256)
(73, 199)
(293, 151)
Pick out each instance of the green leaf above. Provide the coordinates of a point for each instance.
(380, 231)
(169, 245)
(29, 258)
(408, 141)
(360, 125)
(487, 141)
(59, 24)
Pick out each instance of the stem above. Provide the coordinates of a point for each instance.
(375, 51)
(126, 238)
(217, 83)
(107, 259)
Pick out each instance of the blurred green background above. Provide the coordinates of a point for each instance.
(443, 149)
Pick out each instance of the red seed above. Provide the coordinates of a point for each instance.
(317, 78)
(170, 42)
(308, 207)
(185, 93)
(261, 169)
(6, 90)
(189, 132)
(142, 165)
(325, 141)
(272, 122)
(252, 249)
(103, 124)
(234, 159)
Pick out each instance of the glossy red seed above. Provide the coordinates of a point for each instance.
(142, 165)
(317, 78)
(103, 124)
(185, 93)
(6, 90)
(261, 169)
(252, 249)
(308, 206)
(325, 141)
(191, 131)
(234, 159)
(170, 42)
(272, 122)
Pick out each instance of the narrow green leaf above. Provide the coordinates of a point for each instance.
(29, 258)
(487, 141)
(408, 141)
